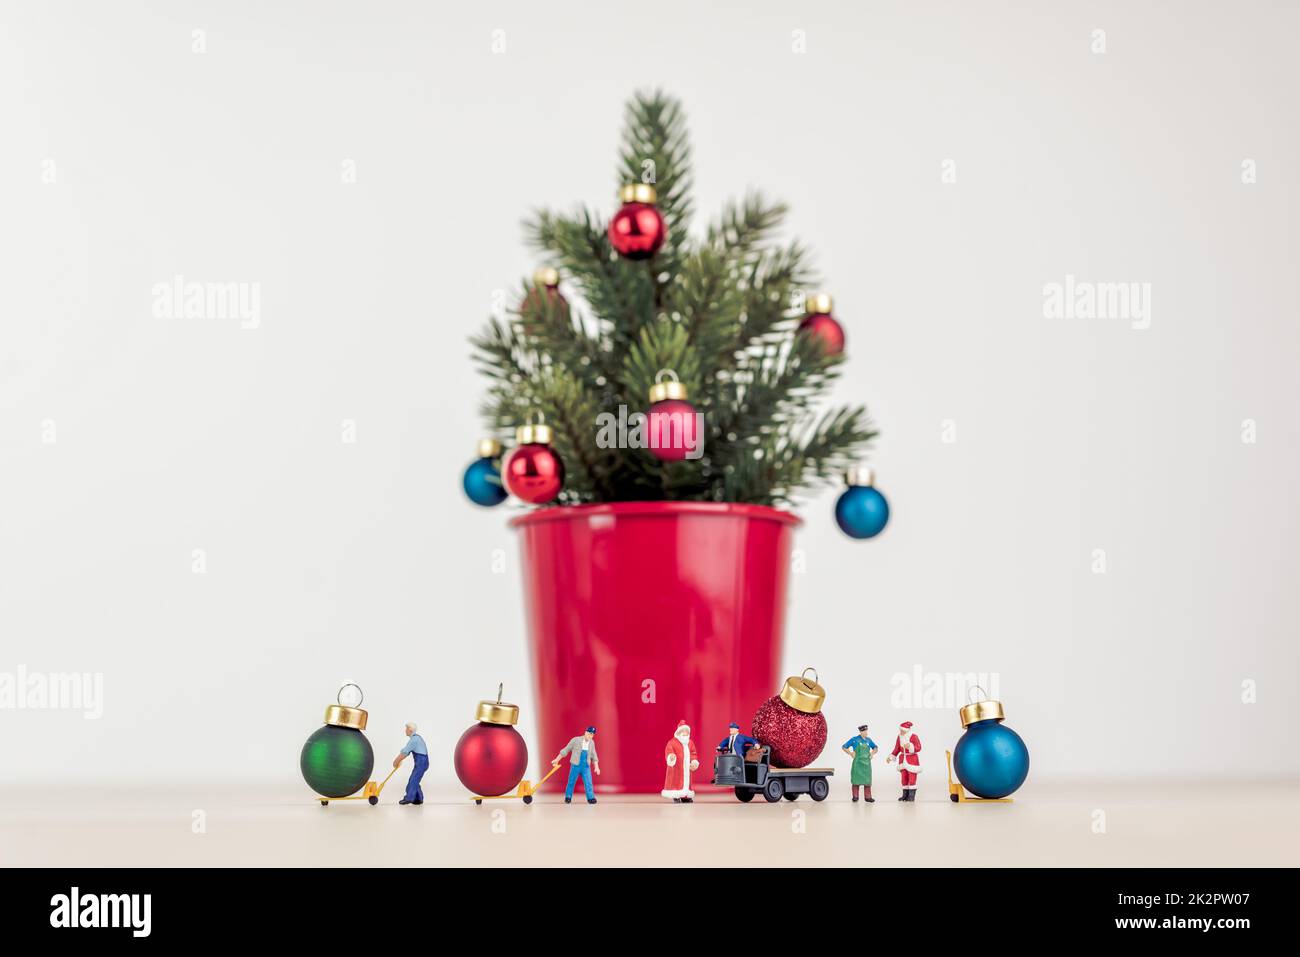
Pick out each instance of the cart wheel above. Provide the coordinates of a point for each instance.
(528, 799)
(773, 790)
(374, 799)
(478, 800)
(327, 803)
(818, 788)
(951, 797)
(744, 795)
(790, 797)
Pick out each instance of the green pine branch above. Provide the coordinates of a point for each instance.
(720, 310)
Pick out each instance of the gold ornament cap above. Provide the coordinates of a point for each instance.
(342, 717)
(497, 712)
(489, 449)
(818, 304)
(546, 276)
(347, 715)
(539, 433)
(860, 475)
(638, 193)
(804, 695)
(981, 710)
(671, 389)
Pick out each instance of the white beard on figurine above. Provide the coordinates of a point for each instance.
(681, 758)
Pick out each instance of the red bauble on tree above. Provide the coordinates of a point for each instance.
(637, 229)
(673, 426)
(792, 723)
(491, 757)
(545, 293)
(822, 326)
(533, 472)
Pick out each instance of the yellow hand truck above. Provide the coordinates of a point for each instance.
(368, 793)
(525, 790)
(957, 793)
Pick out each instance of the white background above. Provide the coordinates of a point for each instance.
(328, 560)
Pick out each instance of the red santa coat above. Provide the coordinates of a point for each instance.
(679, 757)
(909, 762)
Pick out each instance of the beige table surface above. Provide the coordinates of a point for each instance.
(1089, 824)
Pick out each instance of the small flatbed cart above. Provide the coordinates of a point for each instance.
(751, 776)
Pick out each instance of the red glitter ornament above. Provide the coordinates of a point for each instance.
(637, 229)
(791, 724)
(533, 472)
(491, 757)
(672, 422)
(822, 326)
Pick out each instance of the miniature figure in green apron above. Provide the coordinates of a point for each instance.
(861, 749)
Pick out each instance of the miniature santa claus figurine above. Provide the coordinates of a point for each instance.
(907, 748)
(680, 756)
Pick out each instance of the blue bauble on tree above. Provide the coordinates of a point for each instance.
(990, 760)
(861, 511)
(482, 479)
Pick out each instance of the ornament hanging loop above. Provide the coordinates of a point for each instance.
(816, 678)
(983, 695)
(350, 684)
(672, 388)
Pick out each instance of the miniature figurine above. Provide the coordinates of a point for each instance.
(906, 750)
(861, 749)
(582, 761)
(681, 757)
(735, 742)
(415, 747)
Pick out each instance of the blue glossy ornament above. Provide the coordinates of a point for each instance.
(861, 511)
(990, 760)
(482, 480)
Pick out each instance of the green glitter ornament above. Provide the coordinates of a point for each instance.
(337, 759)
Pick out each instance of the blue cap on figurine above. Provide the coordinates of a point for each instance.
(591, 729)
(734, 725)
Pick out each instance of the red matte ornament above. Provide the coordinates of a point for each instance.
(545, 294)
(637, 229)
(491, 757)
(822, 326)
(672, 424)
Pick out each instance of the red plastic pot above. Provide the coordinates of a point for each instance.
(642, 613)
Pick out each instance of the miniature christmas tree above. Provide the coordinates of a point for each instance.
(723, 308)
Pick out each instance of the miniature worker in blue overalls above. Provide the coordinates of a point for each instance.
(582, 760)
(415, 747)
